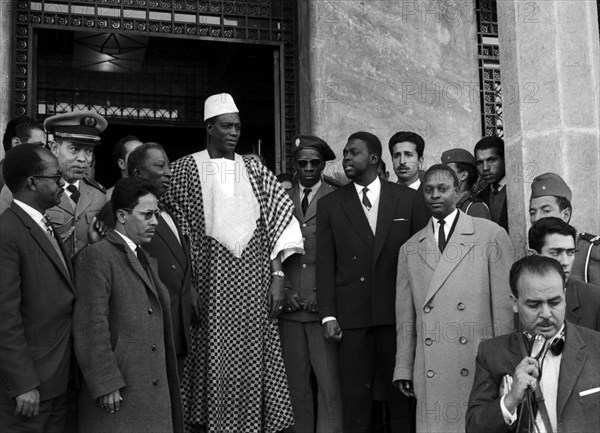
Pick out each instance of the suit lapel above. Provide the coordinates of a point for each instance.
(164, 232)
(40, 237)
(295, 196)
(573, 359)
(311, 211)
(356, 215)
(67, 205)
(385, 217)
(459, 242)
(427, 247)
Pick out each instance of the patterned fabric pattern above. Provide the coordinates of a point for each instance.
(234, 378)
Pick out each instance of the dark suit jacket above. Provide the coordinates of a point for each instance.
(583, 304)
(174, 271)
(579, 371)
(36, 305)
(299, 269)
(356, 271)
(485, 196)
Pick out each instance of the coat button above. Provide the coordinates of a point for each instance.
(150, 311)
(173, 267)
(362, 278)
(303, 238)
(428, 341)
(153, 347)
(155, 382)
(460, 306)
(303, 225)
(464, 372)
(463, 340)
(427, 309)
(304, 265)
(354, 258)
(430, 373)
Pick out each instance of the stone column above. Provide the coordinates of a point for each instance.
(549, 58)
(7, 10)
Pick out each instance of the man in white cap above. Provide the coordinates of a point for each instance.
(75, 135)
(241, 226)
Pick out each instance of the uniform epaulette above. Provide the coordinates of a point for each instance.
(95, 184)
(593, 239)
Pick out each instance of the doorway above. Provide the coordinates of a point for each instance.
(154, 87)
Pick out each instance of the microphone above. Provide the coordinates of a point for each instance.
(536, 346)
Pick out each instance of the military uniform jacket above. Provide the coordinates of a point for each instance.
(72, 221)
(300, 269)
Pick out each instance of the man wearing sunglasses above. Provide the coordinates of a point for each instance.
(36, 297)
(305, 351)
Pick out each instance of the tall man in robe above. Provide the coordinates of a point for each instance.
(451, 293)
(241, 227)
(36, 298)
(305, 351)
(360, 228)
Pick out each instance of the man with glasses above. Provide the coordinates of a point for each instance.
(305, 351)
(36, 297)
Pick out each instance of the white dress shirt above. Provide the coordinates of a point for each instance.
(129, 242)
(416, 184)
(67, 192)
(448, 222)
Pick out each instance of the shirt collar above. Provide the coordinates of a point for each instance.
(500, 184)
(416, 184)
(128, 241)
(313, 189)
(35, 215)
(448, 220)
(76, 183)
(374, 187)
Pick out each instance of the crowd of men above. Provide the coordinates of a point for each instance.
(203, 295)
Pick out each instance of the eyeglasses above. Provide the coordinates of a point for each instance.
(302, 163)
(56, 177)
(148, 214)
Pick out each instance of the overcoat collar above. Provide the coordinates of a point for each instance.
(135, 264)
(458, 247)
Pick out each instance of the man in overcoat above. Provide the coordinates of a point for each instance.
(123, 336)
(451, 293)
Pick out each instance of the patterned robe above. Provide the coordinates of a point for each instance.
(234, 378)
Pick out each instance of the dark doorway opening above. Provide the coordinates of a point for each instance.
(155, 87)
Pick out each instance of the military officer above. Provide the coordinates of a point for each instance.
(304, 348)
(76, 135)
(465, 167)
(551, 197)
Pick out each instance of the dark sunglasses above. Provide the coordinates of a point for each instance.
(302, 163)
(148, 214)
(56, 177)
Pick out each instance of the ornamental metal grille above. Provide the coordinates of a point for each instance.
(263, 22)
(490, 87)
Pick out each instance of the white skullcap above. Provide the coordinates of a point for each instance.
(216, 105)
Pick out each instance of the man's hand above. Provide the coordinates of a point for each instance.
(332, 331)
(276, 297)
(525, 377)
(406, 387)
(290, 302)
(96, 230)
(28, 403)
(311, 304)
(111, 402)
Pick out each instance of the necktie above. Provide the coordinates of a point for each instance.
(365, 199)
(142, 258)
(74, 193)
(441, 236)
(53, 241)
(305, 200)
